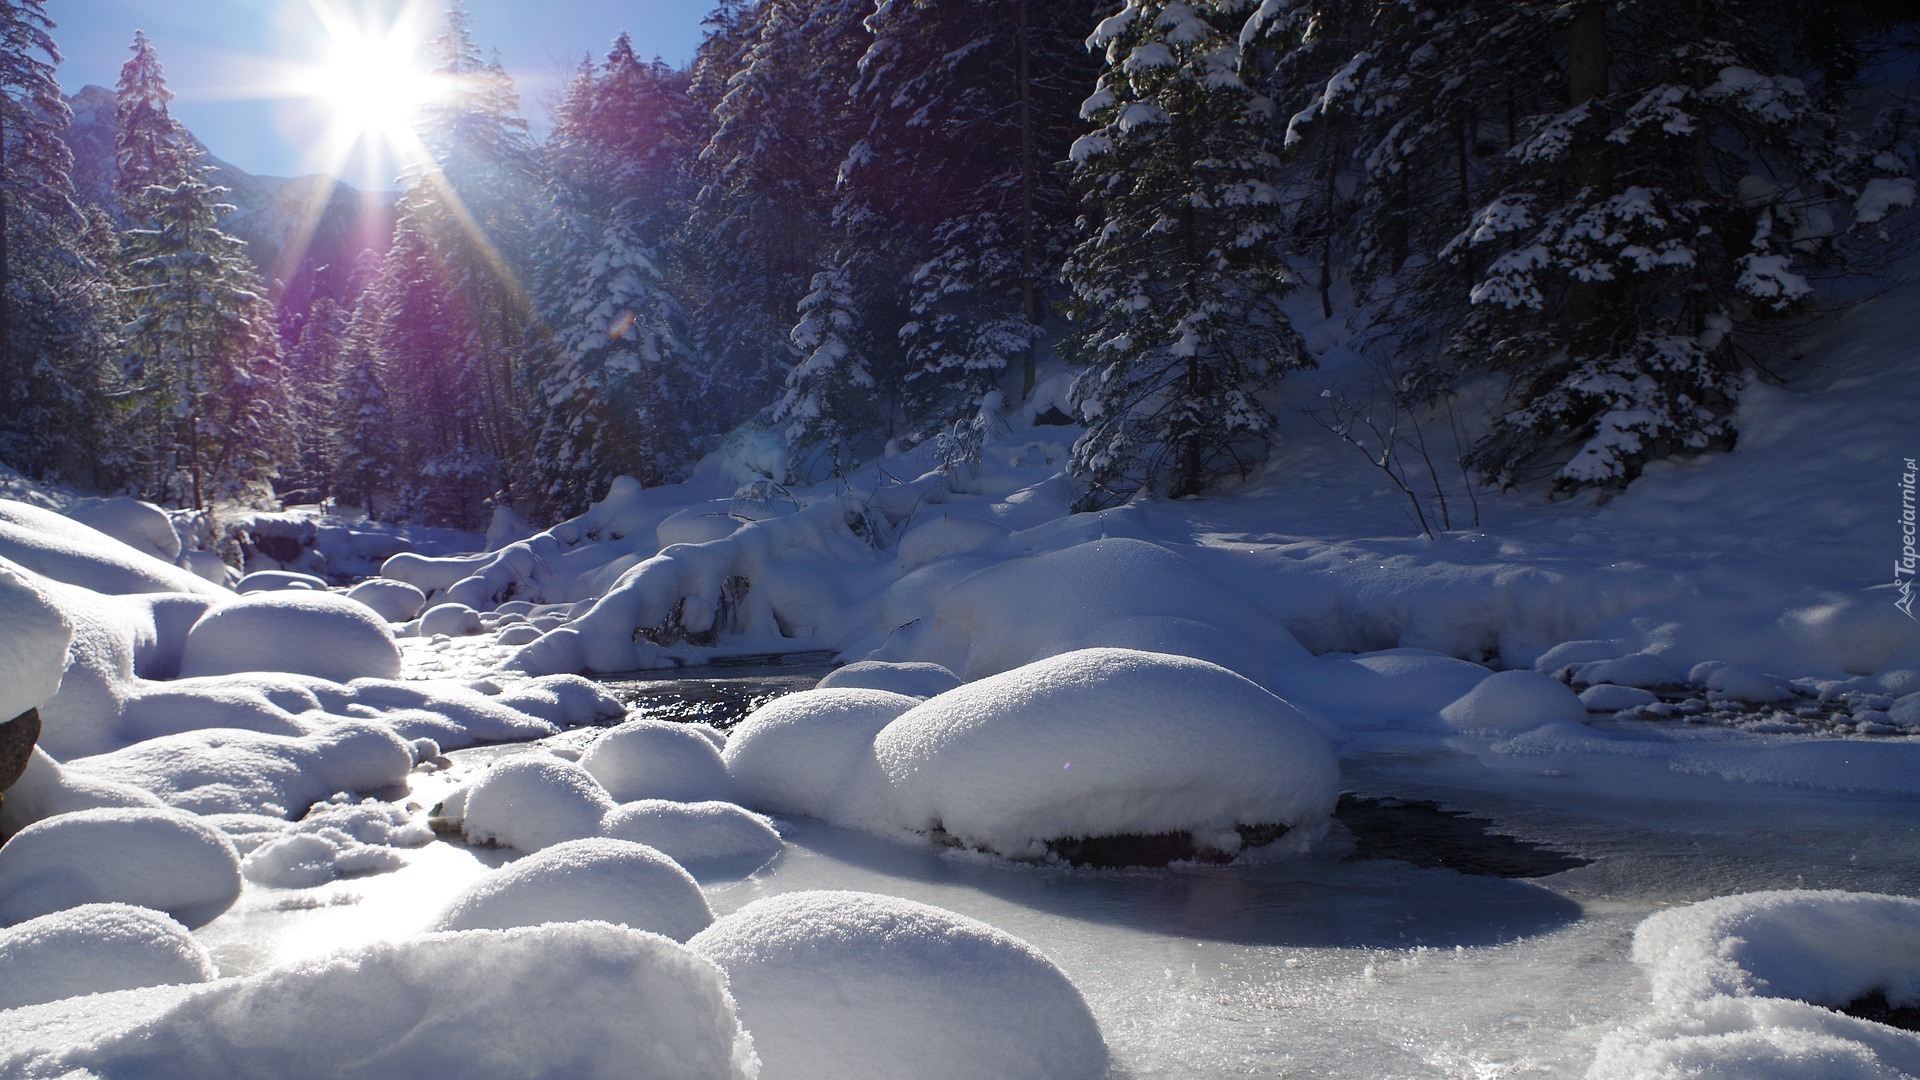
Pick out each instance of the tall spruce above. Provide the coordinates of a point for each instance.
(1179, 280)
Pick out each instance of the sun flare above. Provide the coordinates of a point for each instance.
(370, 81)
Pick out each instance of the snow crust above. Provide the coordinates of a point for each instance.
(853, 986)
(586, 1000)
(95, 949)
(598, 879)
(160, 859)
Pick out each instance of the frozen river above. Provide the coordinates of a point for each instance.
(1328, 965)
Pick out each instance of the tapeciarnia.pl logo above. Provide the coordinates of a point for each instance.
(1903, 567)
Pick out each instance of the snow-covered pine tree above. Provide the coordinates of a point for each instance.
(52, 310)
(1649, 226)
(465, 233)
(829, 401)
(968, 107)
(313, 364)
(619, 392)
(205, 349)
(366, 452)
(1178, 281)
(150, 147)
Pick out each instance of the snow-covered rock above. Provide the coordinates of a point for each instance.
(66, 550)
(810, 754)
(94, 949)
(320, 634)
(1745, 988)
(919, 680)
(1513, 701)
(139, 525)
(222, 770)
(616, 881)
(453, 620)
(695, 834)
(159, 859)
(657, 759)
(34, 636)
(279, 581)
(394, 601)
(1107, 742)
(854, 986)
(530, 802)
(565, 700)
(587, 1001)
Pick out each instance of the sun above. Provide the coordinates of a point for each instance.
(368, 81)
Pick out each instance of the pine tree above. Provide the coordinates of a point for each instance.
(366, 452)
(461, 320)
(151, 148)
(1649, 228)
(619, 392)
(760, 226)
(51, 308)
(829, 400)
(1177, 285)
(968, 106)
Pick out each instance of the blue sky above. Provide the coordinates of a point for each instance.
(218, 53)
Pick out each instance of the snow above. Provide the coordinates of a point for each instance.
(1745, 985)
(1514, 701)
(453, 620)
(585, 1000)
(851, 986)
(96, 949)
(318, 634)
(279, 581)
(811, 754)
(139, 525)
(707, 838)
(1106, 742)
(34, 636)
(914, 680)
(657, 759)
(225, 770)
(161, 859)
(615, 881)
(66, 550)
(394, 601)
(532, 802)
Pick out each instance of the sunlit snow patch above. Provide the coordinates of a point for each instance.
(614, 881)
(1108, 743)
(852, 986)
(93, 949)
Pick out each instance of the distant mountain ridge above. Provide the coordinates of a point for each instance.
(270, 212)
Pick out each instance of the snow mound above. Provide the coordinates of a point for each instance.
(614, 881)
(65, 550)
(1745, 988)
(1375, 689)
(337, 838)
(586, 1001)
(531, 802)
(34, 636)
(849, 986)
(811, 754)
(1825, 947)
(160, 859)
(94, 949)
(279, 581)
(453, 620)
(1114, 592)
(912, 679)
(1514, 701)
(394, 601)
(657, 759)
(695, 833)
(319, 634)
(1107, 742)
(565, 700)
(222, 770)
(142, 526)
(46, 789)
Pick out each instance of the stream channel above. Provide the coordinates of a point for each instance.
(1469, 915)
